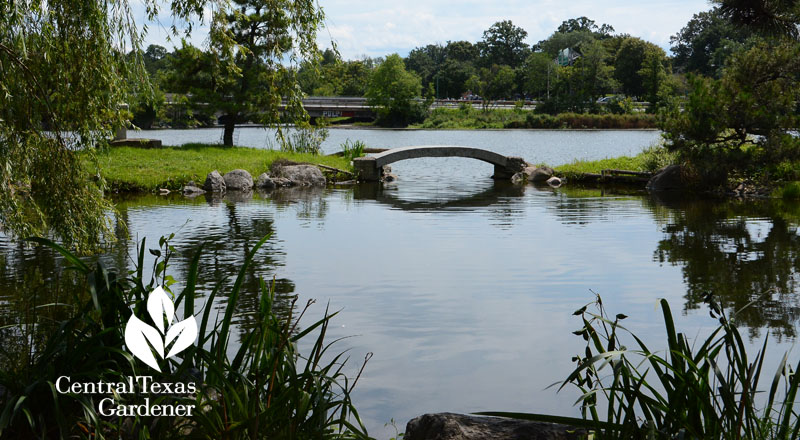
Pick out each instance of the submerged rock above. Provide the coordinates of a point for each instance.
(238, 180)
(554, 181)
(214, 182)
(518, 178)
(448, 426)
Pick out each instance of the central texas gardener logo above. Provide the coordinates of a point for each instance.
(145, 341)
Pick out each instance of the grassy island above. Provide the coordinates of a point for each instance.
(138, 169)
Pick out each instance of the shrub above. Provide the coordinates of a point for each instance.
(656, 157)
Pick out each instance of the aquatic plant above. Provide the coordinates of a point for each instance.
(304, 140)
(353, 149)
(265, 388)
(704, 389)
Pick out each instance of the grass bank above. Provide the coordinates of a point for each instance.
(470, 118)
(138, 169)
(651, 160)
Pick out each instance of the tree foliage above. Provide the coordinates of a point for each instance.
(392, 91)
(776, 18)
(629, 60)
(584, 24)
(707, 40)
(255, 50)
(537, 73)
(65, 73)
(756, 96)
(504, 44)
(63, 78)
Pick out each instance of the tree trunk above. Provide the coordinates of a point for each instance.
(227, 137)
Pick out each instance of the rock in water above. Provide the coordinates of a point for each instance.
(448, 426)
(669, 178)
(554, 181)
(265, 182)
(238, 180)
(192, 190)
(538, 174)
(214, 182)
(282, 182)
(302, 175)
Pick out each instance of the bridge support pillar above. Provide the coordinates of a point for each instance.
(367, 169)
(513, 166)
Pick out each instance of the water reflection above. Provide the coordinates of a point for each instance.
(451, 282)
(489, 196)
(743, 252)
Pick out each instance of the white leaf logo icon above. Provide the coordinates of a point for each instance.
(185, 332)
(137, 335)
(142, 339)
(160, 308)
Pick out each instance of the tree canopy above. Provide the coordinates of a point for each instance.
(249, 82)
(707, 40)
(392, 90)
(504, 44)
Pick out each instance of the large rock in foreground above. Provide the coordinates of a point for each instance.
(669, 178)
(214, 182)
(448, 426)
(238, 180)
(301, 175)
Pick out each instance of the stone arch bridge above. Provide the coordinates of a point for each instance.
(370, 168)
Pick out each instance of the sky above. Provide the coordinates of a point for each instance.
(380, 27)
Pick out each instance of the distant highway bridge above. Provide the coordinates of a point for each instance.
(357, 107)
(338, 107)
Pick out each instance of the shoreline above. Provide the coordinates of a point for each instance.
(369, 127)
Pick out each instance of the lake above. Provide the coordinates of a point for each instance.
(463, 288)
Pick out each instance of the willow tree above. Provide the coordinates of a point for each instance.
(63, 77)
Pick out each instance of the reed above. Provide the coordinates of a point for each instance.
(705, 389)
(265, 388)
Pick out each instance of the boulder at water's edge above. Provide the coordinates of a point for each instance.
(214, 182)
(238, 180)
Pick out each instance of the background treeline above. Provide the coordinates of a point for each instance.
(582, 67)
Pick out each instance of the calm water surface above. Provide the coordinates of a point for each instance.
(464, 288)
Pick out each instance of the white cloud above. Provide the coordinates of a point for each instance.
(379, 27)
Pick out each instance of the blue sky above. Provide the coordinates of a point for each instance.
(380, 27)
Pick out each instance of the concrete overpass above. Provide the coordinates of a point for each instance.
(337, 107)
